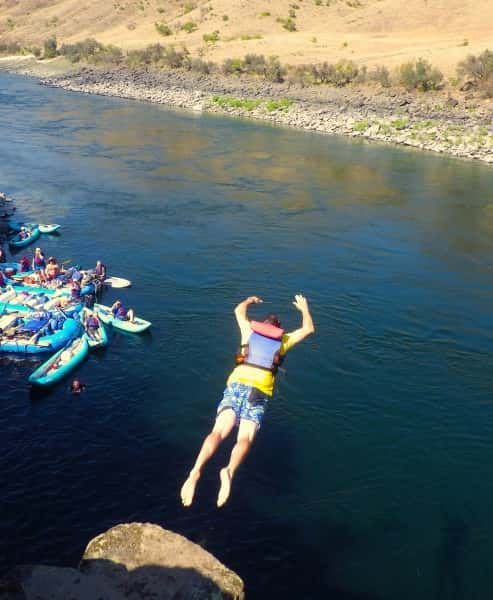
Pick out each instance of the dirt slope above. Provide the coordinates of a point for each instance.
(367, 31)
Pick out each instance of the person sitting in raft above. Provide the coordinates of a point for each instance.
(75, 290)
(92, 325)
(23, 234)
(100, 271)
(248, 390)
(122, 313)
(89, 300)
(25, 264)
(52, 269)
(76, 387)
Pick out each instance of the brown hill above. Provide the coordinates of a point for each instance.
(369, 32)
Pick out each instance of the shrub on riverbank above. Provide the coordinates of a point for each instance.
(420, 75)
(93, 52)
(250, 104)
(50, 47)
(339, 74)
(478, 70)
(10, 48)
(256, 65)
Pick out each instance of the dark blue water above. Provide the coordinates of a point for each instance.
(371, 478)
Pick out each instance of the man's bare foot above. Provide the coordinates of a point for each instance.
(188, 488)
(225, 488)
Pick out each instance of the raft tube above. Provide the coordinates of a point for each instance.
(46, 343)
(61, 363)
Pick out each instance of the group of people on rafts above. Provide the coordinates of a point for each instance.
(49, 273)
(249, 387)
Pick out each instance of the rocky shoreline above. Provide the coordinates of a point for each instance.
(459, 125)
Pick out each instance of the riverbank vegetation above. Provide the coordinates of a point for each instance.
(475, 72)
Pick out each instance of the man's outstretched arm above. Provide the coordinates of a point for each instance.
(307, 326)
(241, 314)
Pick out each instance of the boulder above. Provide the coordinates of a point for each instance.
(135, 561)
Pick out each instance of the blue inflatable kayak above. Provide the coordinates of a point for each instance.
(32, 236)
(46, 343)
(61, 363)
(105, 314)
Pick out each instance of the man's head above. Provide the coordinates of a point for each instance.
(273, 319)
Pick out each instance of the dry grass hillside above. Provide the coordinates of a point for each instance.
(385, 32)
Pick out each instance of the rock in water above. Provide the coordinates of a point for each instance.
(132, 562)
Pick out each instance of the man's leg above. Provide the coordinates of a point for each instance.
(225, 422)
(246, 435)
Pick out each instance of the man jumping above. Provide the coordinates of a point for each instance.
(248, 389)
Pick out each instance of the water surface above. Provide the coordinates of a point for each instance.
(371, 477)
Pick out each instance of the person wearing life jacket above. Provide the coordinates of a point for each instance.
(75, 290)
(25, 264)
(100, 270)
(92, 325)
(248, 390)
(38, 264)
(122, 313)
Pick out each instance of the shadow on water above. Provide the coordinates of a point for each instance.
(450, 569)
(104, 575)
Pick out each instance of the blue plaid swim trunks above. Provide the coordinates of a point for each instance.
(248, 402)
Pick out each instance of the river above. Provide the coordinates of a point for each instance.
(371, 477)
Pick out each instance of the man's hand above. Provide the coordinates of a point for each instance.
(254, 300)
(301, 303)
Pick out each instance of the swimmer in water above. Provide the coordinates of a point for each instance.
(76, 387)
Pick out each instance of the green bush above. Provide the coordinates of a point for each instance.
(177, 59)
(265, 13)
(381, 75)
(274, 71)
(478, 68)
(233, 66)
(92, 51)
(281, 104)
(400, 124)
(10, 48)
(225, 18)
(188, 7)
(255, 64)
(288, 24)
(162, 28)
(201, 66)
(339, 74)
(292, 13)
(420, 75)
(50, 47)
(189, 26)
(361, 125)
(211, 37)
(231, 102)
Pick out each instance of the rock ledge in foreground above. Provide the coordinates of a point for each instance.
(130, 562)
